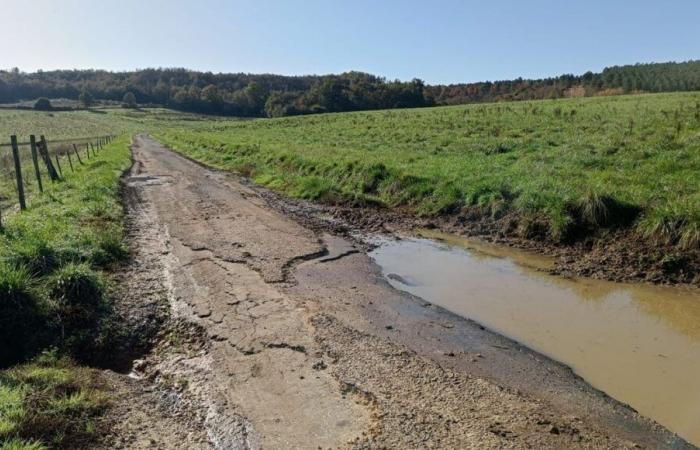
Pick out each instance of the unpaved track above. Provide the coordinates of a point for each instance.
(309, 348)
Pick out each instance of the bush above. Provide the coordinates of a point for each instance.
(129, 100)
(86, 99)
(43, 104)
(20, 316)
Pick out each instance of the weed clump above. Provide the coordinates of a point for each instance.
(77, 297)
(34, 253)
(673, 225)
(603, 211)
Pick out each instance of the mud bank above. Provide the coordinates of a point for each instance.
(612, 255)
(301, 343)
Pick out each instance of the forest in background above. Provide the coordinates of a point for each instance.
(267, 95)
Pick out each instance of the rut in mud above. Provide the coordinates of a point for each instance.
(305, 346)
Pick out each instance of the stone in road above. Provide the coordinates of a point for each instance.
(310, 348)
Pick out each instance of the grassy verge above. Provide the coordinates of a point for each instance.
(53, 295)
(563, 168)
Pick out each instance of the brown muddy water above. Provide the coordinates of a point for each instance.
(638, 343)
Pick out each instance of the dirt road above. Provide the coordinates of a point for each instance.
(300, 343)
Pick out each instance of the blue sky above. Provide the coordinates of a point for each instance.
(440, 41)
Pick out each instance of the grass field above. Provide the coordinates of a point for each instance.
(573, 164)
(58, 125)
(562, 167)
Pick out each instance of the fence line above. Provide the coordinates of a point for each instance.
(39, 157)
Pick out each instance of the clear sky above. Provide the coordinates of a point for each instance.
(440, 41)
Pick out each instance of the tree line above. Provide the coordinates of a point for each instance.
(267, 95)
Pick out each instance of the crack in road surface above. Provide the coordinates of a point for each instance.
(305, 347)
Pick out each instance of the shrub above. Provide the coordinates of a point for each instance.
(86, 99)
(129, 100)
(43, 104)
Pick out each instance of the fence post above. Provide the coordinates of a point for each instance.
(58, 164)
(35, 160)
(18, 172)
(44, 150)
(87, 150)
(75, 148)
(70, 160)
(93, 150)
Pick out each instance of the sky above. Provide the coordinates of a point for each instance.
(439, 41)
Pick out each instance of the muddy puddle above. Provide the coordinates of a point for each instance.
(638, 343)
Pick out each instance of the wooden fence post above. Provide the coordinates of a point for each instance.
(70, 160)
(35, 160)
(44, 150)
(18, 172)
(87, 150)
(58, 164)
(75, 147)
(93, 150)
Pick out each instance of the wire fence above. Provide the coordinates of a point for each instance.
(26, 167)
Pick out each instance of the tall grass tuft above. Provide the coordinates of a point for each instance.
(77, 292)
(21, 318)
